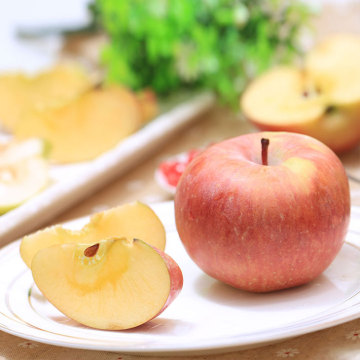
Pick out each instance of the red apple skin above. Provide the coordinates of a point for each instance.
(263, 228)
(176, 279)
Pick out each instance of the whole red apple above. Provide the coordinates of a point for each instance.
(264, 211)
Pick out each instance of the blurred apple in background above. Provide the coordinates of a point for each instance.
(24, 171)
(263, 227)
(54, 86)
(321, 100)
(113, 285)
(88, 125)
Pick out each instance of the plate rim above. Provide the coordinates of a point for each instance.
(329, 320)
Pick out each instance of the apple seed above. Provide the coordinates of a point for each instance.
(91, 250)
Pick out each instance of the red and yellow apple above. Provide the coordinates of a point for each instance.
(321, 100)
(263, 219)
(132, 220)
(115, 284)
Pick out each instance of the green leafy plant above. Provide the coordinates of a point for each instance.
(210, 44)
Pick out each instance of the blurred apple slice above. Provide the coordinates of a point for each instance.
(282, 96)
(288, 99)
(115, 284)
(133, 220)
(334, 66)
(19, 92)
(13, 150)
(20, 181)
(86, 127)
(23, 172)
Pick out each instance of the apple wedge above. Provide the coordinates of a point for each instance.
(23, 172)
(19, 92)
(133, 220)
(334, 66)
(86, 127)
(288, 99)
(20, 181)
(115, 284)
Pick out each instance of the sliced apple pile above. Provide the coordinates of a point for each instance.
(80, 120)
(19, 92)
(133, 220)
(321, 100)
(23, 172)
(84, 128)
(114, 284)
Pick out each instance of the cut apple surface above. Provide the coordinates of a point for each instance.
(86, 127)
(133, 220)
(282, 96)
(115, 284)
(23, 172)
(334, 67)
(19, 92)
(20, 181)
(289, 99)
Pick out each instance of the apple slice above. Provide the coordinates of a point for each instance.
(133, 220)
(19, 92)
(115, 284)
(86, 127)
(21, 180)
(23, 172)
(282, 96)
(288, 99)
(14, 151)
(334, 67)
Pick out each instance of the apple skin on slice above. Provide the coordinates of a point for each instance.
(115, 284)
(133, 220)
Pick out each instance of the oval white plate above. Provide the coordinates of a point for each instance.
(208, 316)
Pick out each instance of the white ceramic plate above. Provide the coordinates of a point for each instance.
(208, 316)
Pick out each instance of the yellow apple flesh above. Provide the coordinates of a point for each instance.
(133, 220)
(288, 99)
(19, 92)
(23, 172)
(334, 66)
(20, 181)
(86, 127)
(115, 284)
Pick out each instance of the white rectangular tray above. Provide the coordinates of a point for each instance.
(73, 183)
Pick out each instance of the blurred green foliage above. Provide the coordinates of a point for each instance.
(211, 44)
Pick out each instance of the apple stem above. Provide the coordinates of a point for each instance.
(91, 250)
(264, 150)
